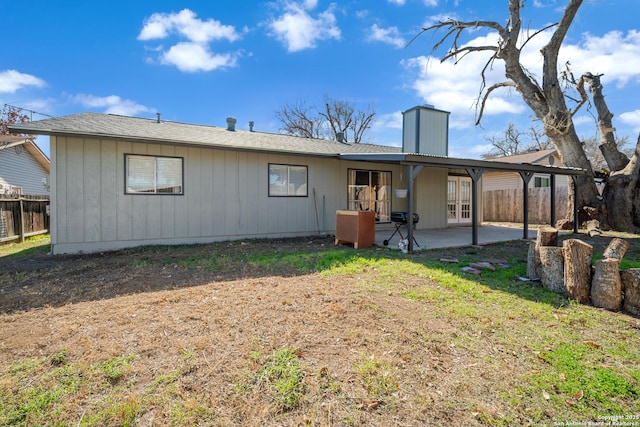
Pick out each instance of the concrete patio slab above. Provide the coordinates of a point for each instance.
(451, 237)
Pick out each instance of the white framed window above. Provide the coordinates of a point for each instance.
(541, 181)
(288, 180)
(146, 174)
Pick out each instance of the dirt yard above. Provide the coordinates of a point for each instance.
(162, 303)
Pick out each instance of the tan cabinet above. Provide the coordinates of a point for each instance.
(357, 227)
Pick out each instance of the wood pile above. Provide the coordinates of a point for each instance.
(568, 269)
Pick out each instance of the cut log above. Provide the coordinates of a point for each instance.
(616, 249)
(577, 269)
(533, 261)
(593, 228)
(606, 287)
(564, 224)
(631, 290)
(547, 236)
(552, 268)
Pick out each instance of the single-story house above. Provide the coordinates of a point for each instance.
(120, 181)
(24, 168)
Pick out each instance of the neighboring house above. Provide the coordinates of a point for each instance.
(509, 180)
(119, 181)
(24, 168)
(500, 189)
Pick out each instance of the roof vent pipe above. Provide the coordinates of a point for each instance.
(231, 123)
(158, 119)
(251, 126)
(340, 136)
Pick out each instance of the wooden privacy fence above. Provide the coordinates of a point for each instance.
(507, 205)
(22, 217)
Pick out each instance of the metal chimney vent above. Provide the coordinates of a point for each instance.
(251, 126)
(231, 123)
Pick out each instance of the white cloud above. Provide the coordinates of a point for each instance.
(614, 54)
(389, 120)
(12, 81)
(192, 57)
(185, 23)
(111, 104)
(397, 2)
(194, 54)
(455, 88)
(298, 30)
(389, 35)
(631, 118)
(431, 3)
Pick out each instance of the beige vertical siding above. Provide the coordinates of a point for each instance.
(225, 196)
(431, 198)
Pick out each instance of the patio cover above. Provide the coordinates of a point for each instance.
(474, 168)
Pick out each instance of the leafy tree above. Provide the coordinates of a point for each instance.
(548, 100)
(337, 120)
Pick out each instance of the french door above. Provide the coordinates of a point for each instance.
(458, 200)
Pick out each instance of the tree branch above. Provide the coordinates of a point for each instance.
(486, 95)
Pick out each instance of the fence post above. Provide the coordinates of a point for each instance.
(21, 220)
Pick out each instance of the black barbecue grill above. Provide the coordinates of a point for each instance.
(400, 219)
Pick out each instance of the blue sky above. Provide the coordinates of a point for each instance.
(203, 61)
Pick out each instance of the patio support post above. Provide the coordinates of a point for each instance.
(412, 172)
(526, 177)
(552, 218)
(475, 175)
(575, 205)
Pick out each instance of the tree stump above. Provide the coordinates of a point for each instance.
(533, 261)
(552, 271)
(547, 236)
(606, 287)
(577, 269)
(631, 290)
(616, 249)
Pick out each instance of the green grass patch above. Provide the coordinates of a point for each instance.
(31, 245)
(377, 376)
(280, 376)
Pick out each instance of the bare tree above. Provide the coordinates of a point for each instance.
(337, 120)
(514, 141)
(591, 148)
(300, 120)
(548, 101)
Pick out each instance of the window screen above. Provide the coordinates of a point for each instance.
(153, 175)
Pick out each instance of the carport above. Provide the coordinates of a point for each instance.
(415, 163)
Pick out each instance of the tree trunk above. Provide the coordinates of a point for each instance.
(622, 198)
(552, 271)
(631, 289)
(533, 261)
(547, 236)
(577, 269)
(606, 287)
(616, 249)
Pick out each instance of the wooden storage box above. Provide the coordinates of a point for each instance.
(357, 227)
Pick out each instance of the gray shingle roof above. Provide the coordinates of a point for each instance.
(534, 157)
(149, 130)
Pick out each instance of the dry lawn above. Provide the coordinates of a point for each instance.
(191, 332)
